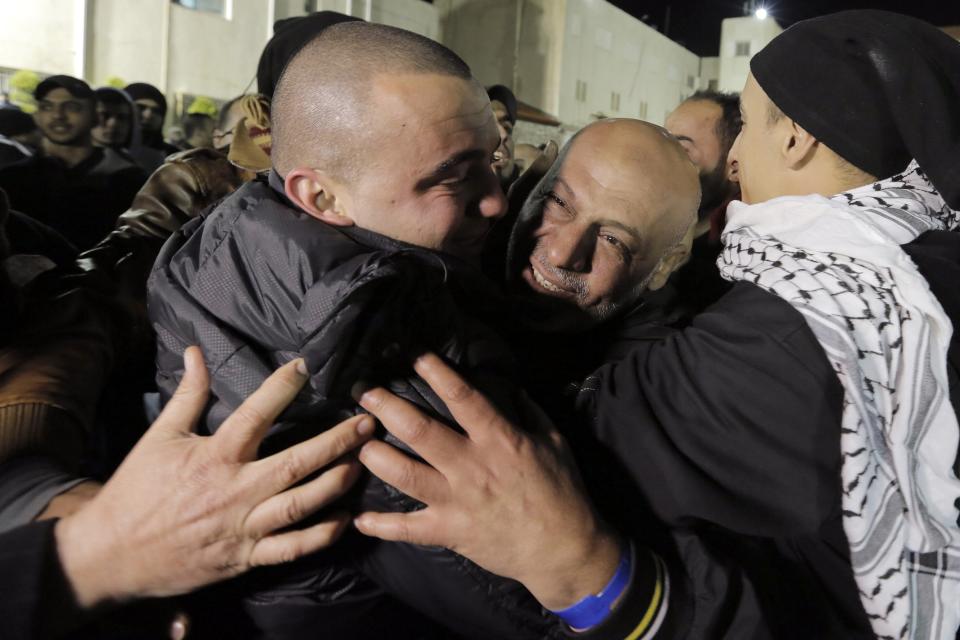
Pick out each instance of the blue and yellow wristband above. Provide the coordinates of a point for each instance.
(632, 606)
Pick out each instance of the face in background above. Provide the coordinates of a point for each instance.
(610, 222)
(64, 119)
(503, 163)
(151, 115)
(757, 148)
(694, 123)
(113, 124)
(426, 176)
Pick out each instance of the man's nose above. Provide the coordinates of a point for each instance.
(570, 247)
(734, 153)
(493, 202)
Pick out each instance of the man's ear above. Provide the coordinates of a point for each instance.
(318, 195)
(798, 145)
(672, 260)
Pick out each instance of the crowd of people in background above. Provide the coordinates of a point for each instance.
(690, 381)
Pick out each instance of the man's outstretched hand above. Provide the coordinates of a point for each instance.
(508, 499)
(184, 511)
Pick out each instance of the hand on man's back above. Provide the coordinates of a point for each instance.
(184, 511)
(508, 499)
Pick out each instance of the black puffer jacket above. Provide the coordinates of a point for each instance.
(257, 283)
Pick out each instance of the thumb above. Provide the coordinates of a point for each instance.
(181, 414)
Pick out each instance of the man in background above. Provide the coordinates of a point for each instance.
(19, 136)
(152, 108)
(71, 185)
(706, 125)
(504, 105)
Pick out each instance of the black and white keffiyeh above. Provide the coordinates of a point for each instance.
(838, 261)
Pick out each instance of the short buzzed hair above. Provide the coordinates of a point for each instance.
(321, 102)
(730, 123)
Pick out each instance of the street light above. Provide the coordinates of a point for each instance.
(761, 14)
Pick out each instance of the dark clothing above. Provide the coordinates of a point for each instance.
(257, 283)
(39, 600)
(185, 185)
(28, 236)
(83, 202)
(691, 288)
(10, 154)
(154, 140)
(728, 432)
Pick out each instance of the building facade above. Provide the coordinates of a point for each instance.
(579, 60)
(740, 40)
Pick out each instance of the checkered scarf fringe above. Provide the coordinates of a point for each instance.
(838, 261)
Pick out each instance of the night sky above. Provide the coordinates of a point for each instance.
(696, 24)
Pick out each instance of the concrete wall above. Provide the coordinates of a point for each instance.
(576, 59)
(216, 55)
(42, 35)
(412, 15)
(484, 35)
(735, 68)
(710, 72)
(127, 41)
(622, 67)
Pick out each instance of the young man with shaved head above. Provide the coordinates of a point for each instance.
(360, 248)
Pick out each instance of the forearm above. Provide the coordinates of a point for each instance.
(580, 568)
(29, 486)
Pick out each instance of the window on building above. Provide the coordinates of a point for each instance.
(614, 101)
(712, 85)
(213, 6)
(743, 48)
(643, 110)
(690, 81)
(581, 91)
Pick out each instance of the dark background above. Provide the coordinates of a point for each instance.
(696, 24)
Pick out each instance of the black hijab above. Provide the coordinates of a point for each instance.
(878, 88)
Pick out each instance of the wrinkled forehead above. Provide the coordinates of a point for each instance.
(613, 185)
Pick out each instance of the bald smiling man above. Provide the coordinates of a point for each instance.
(606, 224)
